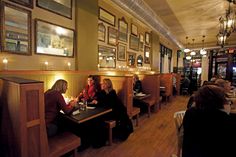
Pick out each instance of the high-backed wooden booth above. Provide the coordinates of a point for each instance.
(167, 82)
(151, 85)
(23, 129)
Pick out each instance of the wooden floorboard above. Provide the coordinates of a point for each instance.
(154, 137)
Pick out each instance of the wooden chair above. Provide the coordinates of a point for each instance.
(150, 102)
(178, 117)
(135, 114)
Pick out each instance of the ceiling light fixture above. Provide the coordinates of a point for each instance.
(193, 53)
(186, 50)
(203, 51)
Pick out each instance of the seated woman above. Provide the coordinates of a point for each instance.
(108, 98)
(208, 126)
(54, 102)
(89, 93)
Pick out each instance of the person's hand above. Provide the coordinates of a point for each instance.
(94, 102)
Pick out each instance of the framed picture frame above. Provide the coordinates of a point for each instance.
(112, 36)
(131, 59)
(101, 32)
(63, 8)
(121, 52)
(27, 3)
(16, 29)
(139, 61)
(106, 56)
(147, 54)
(134, 29)
(134, 43)
(147, 38)
(122, 30)
(52, 39)
(107, 17)
(141, 42)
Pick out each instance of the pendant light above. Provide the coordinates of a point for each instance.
(203, 51)
(186, 50)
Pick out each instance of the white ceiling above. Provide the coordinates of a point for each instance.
(176, 19)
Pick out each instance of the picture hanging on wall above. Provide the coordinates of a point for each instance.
(121, 52)
(122, 30)
(52, 39)
(134, 43)
(112, 36)
(134, 30)
(63, 8)
(147, 38)
(27, 3)
(141, 42)
(101, 32)
(107, 17)
(131, 59)
(147, 54)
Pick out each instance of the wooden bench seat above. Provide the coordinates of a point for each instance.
(150, 102)
(62, 144)
(135, 113)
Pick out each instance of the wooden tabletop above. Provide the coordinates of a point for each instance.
(84, 116)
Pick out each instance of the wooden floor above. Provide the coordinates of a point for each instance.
(154, 137)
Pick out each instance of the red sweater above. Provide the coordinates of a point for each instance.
(54, 102)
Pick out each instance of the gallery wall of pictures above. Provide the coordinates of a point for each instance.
(21, 34)
(131, 40)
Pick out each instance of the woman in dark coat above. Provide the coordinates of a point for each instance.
(108, 98)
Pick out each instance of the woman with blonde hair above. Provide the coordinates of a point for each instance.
(108, 98)
(54, 102)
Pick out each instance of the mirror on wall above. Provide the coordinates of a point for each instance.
(53, 39)
(16, 24)
(140, 61)
(106, 57)
(131, 59)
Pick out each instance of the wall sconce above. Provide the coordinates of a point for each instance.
(69, 65)
(5, 62)
(46, 65)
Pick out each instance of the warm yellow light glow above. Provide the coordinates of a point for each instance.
(46, 62)
(5, 61)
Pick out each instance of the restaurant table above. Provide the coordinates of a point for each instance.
(141, 96)
(88, 114)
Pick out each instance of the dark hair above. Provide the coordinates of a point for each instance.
(210, 97)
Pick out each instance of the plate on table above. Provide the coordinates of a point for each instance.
(140, 94)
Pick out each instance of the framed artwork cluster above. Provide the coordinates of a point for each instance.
(121, 39)
(50, 39)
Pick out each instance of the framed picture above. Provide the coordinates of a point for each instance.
(106, 57)
(112, 36)
(101, 32)
(141, 42)
(134, 43)
(134, 30)
(27, 3)
(52, 39)
(16, 24)
(63, 8)
(131, 59)
(147, 38)
(107, 17)
(140, 61)
(121, 52)
(147, 54)
(122, 30)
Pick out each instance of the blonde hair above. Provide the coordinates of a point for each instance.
(109, 84)
(60, 85)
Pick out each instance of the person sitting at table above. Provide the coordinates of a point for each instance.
(54, 102)
(108, 98)
(137, 88)
(208, 127)
(137, 84)
(89, 93)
